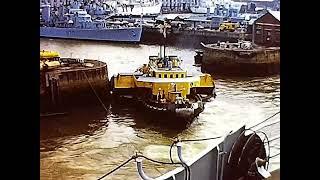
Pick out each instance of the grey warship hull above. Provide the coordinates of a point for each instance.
(132, 34)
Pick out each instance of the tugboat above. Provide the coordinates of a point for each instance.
(163, 86)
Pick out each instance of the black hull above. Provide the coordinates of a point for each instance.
(178, 115)
(187, 40)
(165, 114)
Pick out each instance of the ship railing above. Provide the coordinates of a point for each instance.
(223, 151)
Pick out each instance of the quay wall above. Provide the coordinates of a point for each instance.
(64, 87)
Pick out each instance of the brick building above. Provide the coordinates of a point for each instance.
(267, 29)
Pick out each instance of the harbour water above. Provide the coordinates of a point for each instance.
(90, 141)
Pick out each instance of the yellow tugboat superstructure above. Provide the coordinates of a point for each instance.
(163, 86)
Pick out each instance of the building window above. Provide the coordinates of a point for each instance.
(277, 36)
(258, 31)
(182, 75)
(268, 33)
(171, 75)
(165, 76)
(177, 75)
(159, 75)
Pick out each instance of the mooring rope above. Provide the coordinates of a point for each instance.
(188, 140)
(135, 157)
(204, 139)
(118, 167)
(186, 167)
(267, 125)
(105, 108)
(159, 162)
(266, 119)
(274, 138)
(275, 155)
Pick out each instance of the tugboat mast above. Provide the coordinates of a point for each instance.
(164, 39)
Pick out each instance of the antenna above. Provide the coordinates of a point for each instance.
(141, 13)
(165, 36)
(253, 31)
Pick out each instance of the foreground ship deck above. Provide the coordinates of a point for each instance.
(240, 154)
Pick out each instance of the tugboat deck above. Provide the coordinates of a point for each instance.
(168, 80)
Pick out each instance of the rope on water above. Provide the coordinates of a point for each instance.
(105, 108)
(275, 138)
(118, 167)
(266, 119)
(274, 146)
(204, 139)
(269, 124)
(274, 155)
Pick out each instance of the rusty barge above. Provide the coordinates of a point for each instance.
(239, 59)
(65, 81)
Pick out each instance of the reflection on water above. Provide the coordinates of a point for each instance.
(88, 142)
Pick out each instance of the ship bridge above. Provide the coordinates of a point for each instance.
(168, 67)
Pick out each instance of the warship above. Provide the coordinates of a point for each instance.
(80, 21)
